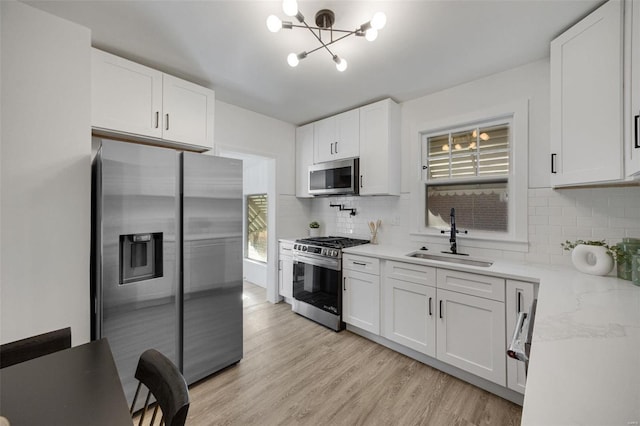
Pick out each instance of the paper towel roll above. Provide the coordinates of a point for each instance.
(592, 260)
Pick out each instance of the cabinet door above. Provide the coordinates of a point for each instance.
(285, 269)
(361, 300)
(125, 96)
(380, 148)
(188, 112)
(348, 135)
(337, 137)
(587, 99)
(324, 137)
(470, 334)
(633, 123)
(286, 283)
(519, 298)
(409, 315)
(304, 159)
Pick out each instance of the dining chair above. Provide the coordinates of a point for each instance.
(164, 381)
(34, 347)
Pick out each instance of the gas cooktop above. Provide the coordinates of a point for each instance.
(332, 242)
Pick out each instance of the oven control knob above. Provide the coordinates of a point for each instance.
(304, 248)
(335, 253)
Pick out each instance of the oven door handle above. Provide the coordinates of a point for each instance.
(333, 264)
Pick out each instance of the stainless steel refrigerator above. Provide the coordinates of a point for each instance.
(167, 257)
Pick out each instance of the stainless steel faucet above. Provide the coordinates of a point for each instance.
(454, 231)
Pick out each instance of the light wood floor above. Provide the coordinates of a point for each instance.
(297, 372)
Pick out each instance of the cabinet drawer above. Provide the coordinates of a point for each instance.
(286, 248)
(353, 262)
(472, 284)
(410, 272)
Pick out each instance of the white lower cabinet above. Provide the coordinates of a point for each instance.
(519, 297)
(470, 334)
(408, 306)
(361, 293)
(285, 270)
(421, 312)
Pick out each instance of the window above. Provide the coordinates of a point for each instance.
(469, 153)
(468, 169)
(469, 163)
(257, 227)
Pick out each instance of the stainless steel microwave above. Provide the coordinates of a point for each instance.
(334, 178)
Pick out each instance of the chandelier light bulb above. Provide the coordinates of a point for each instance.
(290, 7)
(274, 23)
(484, 136)
(378, 21)
(341, 64)
(293, 60)
(371, 34)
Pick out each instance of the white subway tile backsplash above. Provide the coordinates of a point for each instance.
(633, 212)
(562, 220)
(553, 217)
(537, 201)
(539, 220)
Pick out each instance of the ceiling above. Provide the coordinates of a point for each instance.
(425, 47)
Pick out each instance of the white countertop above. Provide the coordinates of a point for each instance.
(585, 356)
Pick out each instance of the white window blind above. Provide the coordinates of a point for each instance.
(476, 152)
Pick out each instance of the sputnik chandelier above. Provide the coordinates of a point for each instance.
(324, 21)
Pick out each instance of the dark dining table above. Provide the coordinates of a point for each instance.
(76, 386)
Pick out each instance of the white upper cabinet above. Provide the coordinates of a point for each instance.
(188, 112)
(125, 96)
(337, 137)
(632, 125)
(587, 99)
(380, 148)
(304, 159)
(143, 103)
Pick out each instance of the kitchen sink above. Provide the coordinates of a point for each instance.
(452, 258)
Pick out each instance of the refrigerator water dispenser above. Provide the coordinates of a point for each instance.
(140, 257)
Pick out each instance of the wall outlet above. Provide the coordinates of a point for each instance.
(395, 221)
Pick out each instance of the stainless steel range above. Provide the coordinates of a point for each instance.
(317, 275)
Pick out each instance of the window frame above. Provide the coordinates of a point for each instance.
(517, 235)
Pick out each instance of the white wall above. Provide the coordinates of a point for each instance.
(45, 174)
(553, 216)
(244, 131)
(256, 177)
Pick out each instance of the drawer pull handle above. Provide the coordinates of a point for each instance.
(440, 308)
(360, 263)
(167, 121)
(430, 313)
(519, 302)
(637, 132)
(344, 283)
(553, 164)
(157, 119)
